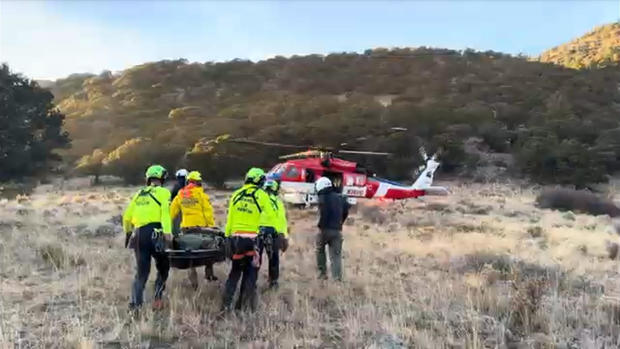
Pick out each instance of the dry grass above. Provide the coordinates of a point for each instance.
(483, 268)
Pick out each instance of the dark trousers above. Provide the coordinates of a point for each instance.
(193, 275)
(273, 254)
(144, 247)
(241, 268)
(333, 239)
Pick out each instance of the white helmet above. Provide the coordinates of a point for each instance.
(322, 183)
(181, 173)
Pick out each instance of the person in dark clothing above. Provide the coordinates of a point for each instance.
(333, 211)
(181, 182)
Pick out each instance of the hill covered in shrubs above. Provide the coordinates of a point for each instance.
(560, 125)
(598, 48)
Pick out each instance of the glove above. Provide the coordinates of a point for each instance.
(284, 244)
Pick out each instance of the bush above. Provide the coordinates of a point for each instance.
(570, 162)
(132, 158)
(58, 257)
(564, 199)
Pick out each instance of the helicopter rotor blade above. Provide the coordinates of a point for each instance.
(270, 144)
(301, 154)
(361, 152)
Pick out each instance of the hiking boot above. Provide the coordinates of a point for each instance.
(134, 311)
(211, 278)
(273, 284)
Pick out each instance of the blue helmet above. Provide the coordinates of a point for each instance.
(272, 183)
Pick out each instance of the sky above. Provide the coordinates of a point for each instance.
(52, 39)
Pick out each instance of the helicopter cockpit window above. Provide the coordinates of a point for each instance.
(292, 172)
(278, 169)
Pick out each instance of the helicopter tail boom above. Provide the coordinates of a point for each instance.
(425, 179)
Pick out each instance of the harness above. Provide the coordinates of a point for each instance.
(274, 202)
(145, 192)
(244, 194)
(246, 244)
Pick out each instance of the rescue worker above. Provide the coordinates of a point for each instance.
(146, 222)
(333, 211)
(181, 177)
(248, 206)
(181, 182)
(195, 207)
(275, 233)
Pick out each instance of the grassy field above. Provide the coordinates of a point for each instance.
(482, 268)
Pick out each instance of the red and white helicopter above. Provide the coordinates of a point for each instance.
(300, 170)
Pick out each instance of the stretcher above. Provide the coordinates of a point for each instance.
(198, 248)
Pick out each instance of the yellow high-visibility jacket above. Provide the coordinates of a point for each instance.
(193, 203)
(278, 220)
(248, 206)
(150, 205)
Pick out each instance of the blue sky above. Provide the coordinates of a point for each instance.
(46, 40)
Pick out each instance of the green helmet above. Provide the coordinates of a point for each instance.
(157, 172)
(255, 175)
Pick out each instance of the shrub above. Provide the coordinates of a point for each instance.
(564, 199)
(535, 231)
(56, 255)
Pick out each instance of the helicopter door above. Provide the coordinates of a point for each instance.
(354, 184)
(336, 179)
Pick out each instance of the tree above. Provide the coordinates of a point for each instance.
(132, 158)
(91, 165)
(30, 127)
(218, 160)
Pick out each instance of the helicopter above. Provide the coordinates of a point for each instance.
(300, 170)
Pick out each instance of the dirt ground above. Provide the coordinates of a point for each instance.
(481, 268)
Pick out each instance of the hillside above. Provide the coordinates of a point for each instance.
(550, 118)
(598, 48)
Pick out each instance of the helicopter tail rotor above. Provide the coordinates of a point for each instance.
(425, 179)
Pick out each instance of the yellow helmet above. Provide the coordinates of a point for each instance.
(194, 176)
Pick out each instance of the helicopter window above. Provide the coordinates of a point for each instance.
(292, 172)
(277, 170)
(310, 176)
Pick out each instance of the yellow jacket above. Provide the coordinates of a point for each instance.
(195, 207)
(278, 220)
(248, 206)
(149, 205)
